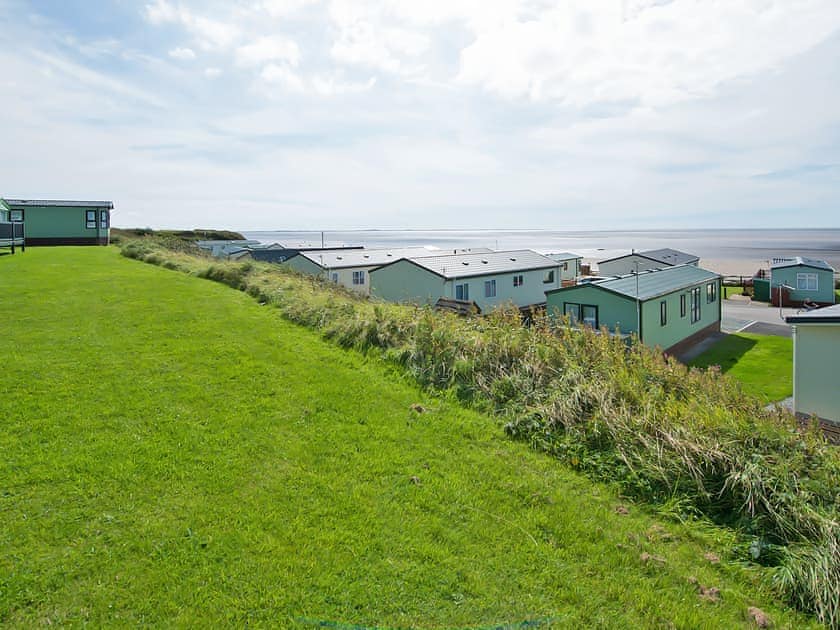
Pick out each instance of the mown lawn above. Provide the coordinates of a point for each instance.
(727, 291)
(176, 454)
(763, 364)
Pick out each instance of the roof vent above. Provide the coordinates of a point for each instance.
(389, 254)
(483, 262)
(367, 255)
(465, 263)
(338, 258)
(513, 259)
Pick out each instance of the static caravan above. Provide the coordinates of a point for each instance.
(569, 266)
(816, 346)
(351, 268)
(806, 278)
(53, 222)
(671, 308)
(489, 279)
(643, 261)
(11, 233)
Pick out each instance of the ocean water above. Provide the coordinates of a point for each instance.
(735, 245)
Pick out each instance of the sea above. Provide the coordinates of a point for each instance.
(739, 250)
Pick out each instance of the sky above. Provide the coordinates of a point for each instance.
(504, 114)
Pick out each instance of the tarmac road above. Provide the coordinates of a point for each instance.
(754, 317)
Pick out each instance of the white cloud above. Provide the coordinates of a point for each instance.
(584, 52)
(283, 76)
(268, 49)
(283, 8)
(212, 73)
(209, 34)
(183, 54)
(367, 37)
(57, 66)
(330, 86)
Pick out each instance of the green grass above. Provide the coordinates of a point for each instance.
(763, 364)
(176, 454)
(727, 291)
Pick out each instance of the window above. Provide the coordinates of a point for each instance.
(103, 219)
(549, 276)
(490, 288)
(806, 282)
(711, 292)
(590, 315)
(565, 266)
(90, 219)
(695, 305)
(518, 280)
(335, 278)
(462, 292)
(586, 314)
(16, 216)
(359, 277)
(663, 313)
(682, 305)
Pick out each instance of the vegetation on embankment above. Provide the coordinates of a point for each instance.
(763, 364)
(690, 441)
(118, 234)
(175, 455)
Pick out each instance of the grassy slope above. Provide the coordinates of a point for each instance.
(175, 453)
(762, 363)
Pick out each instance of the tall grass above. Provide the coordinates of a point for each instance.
(668, 434)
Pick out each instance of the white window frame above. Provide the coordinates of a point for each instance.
(803, 282)
(90, 219)
(104, 220)
(696, 313)
(359, 278)
(711, 292)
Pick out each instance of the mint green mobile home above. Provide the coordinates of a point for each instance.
(52, 222)
(11, 234)
(487, 279)
(349, 267)
(807, 278)
(671, 308)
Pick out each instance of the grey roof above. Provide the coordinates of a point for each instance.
(484, 263)
(670, 256)
(60, 203)
(653, 283)
(564, 256)
(343, 258)
(797, 261)
(665, 255)
(3, 204)
(826, 315)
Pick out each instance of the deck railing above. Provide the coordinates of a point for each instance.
(12, 235)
